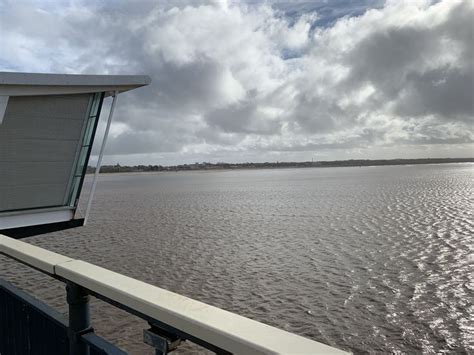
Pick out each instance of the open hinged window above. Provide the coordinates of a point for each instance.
(47, 128)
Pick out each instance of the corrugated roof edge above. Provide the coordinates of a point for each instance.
(16, 78)
(16, 83)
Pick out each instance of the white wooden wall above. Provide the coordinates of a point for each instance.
(39, 139)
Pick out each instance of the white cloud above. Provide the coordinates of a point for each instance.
(262, 81)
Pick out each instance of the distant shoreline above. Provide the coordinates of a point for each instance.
(107, 169)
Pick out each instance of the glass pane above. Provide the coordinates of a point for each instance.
(86, 146)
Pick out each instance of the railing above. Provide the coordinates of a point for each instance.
(173, 318)
(29, 327)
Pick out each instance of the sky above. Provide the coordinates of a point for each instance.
(241, 81)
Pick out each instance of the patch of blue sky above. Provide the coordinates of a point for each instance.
(328, 11)
(288, 54)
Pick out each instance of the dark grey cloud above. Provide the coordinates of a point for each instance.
(192, 87)
(384, 58)
(147, 142)
(244, 117)
(263, 78)
(317, 115)
(444, 92)
(411, 65)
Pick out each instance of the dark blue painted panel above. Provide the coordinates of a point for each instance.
(29, 327)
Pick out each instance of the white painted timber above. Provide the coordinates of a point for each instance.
(224, 329)
(35, 217)
(27, 84)
(37, 257)
(221, 328)
(39, 140)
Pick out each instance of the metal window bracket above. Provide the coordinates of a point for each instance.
(164, 342)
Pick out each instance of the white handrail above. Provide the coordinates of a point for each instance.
(221, 328)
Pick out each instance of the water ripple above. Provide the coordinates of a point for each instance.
(372, 260)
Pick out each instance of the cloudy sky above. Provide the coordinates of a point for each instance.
(255, 80)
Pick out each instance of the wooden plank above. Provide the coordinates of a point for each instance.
(34, 256)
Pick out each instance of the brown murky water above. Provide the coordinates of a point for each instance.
(373, 259)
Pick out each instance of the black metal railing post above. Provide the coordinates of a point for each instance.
(79, 318)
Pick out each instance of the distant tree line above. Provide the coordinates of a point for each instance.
(117, 168)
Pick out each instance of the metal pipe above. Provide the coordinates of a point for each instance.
(79, 319)
(99, 160)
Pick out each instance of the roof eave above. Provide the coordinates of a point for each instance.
(27, 84)
(33, 90)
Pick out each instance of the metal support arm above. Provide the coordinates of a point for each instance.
(79, 318)
(99, 160)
